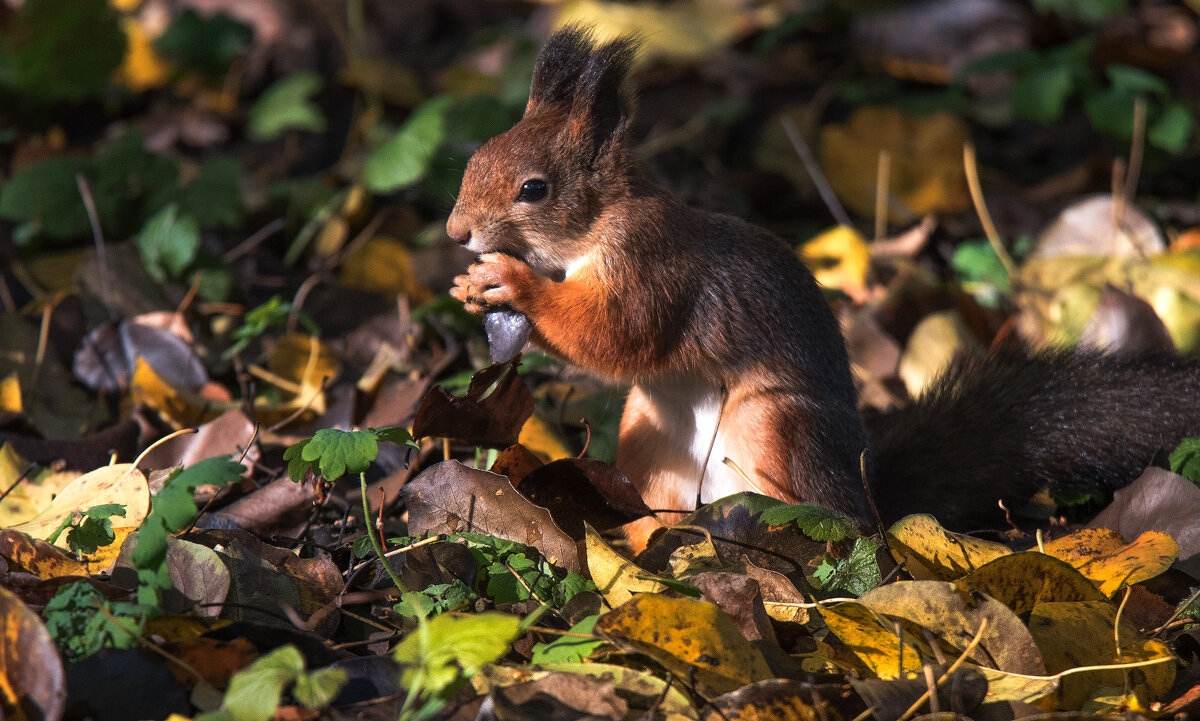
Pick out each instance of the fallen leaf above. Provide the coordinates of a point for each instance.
(541, 440)
(1160, 501)
(930, 552)
(579, 490)
(926, 167)
(121, 483)
(179, 406)
(616, 577)
(1087, 228)
(839, 259)
(493, 420)
(779, 698)
(692, 639)
(1111, 563)
(452, 498)
(383, 265)
(37, 557)
(1081, 634)
(1023, 580)
(688, 31)
(956, 618)
(34, 684)
(877, 651)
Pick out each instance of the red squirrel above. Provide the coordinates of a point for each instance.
(732, 351)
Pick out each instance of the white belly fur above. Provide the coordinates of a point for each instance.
(688, 414)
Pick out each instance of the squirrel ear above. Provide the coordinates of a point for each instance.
(558, 67)
(601, 108)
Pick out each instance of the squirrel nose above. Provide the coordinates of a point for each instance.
(457, 232)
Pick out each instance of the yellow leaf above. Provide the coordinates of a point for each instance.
(692, 639)
(930, 552)
(303, 361)
(1149, 555)
(872, 640)
(926, 168)
(1023, 580)
(57, 272)
(32, 681)
(35, 556)
(142, 68)
(383, 265)
(839, 258)
(120, 483)
(932, 347)
(1081, 634)
(10, 394)
(31, 495)
(540, 439)
(1101, 555)
(178, 406)
(683, 30)
(617, 578)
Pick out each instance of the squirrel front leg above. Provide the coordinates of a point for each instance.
(573, 318)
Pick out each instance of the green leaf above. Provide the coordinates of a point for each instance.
(60, 50)
(1002, 61)
(318, 689)
(816, 522)
(287, 105)
(854, 575)
(79, 627)
(1185, 459)
(255, 692)
(568, 649)
(1172, 129)
(1136, 81)
(204, 43)
(212, 196)
(405, 158)
(1041, 93)
(1111, 111)
(297, 467)
(168, 243)
(106, 510)
(395, 434)
(173, 509)
(338, 452)
(47, 196)
(447, 649)
(91, 534)
(976, 264)
(1088, 11)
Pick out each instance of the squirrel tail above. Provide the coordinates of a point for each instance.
(1003, 426)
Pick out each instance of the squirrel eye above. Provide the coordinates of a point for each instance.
(533, 191)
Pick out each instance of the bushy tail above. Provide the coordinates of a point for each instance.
(1004, 426)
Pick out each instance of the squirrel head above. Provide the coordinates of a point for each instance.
(533, 192)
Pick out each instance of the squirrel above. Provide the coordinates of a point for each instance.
(732, 351)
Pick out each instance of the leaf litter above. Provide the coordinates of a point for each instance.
(235, 241)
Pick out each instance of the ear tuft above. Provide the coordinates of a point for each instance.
(558, 67)
(602, 107)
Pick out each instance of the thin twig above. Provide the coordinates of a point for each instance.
(883, 173)
(256, 238)
(89, 203)
(953, 667)
(712, 442)
(814, 171)
(985, 218)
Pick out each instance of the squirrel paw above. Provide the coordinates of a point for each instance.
(497, 280)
